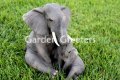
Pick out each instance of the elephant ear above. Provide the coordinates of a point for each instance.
(67, 13)
(36, 21)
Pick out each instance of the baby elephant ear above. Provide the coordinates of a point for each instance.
(67, 13)
(36, 21)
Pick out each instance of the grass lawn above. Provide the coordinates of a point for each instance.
(98, 19)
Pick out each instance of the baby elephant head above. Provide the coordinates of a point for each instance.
(49, 19)
(69, 54)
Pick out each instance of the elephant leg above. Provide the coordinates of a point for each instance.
(34, 61)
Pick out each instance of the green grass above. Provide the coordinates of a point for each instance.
(99, 19)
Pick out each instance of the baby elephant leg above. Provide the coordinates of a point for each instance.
(34, 61)
(73, 75)
(70, 74)
(77, 68)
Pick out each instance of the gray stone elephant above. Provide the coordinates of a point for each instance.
(71, 61)
(50, 22)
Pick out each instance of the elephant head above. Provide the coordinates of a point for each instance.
(49, 19)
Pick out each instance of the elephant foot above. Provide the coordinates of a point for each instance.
(54, 73)
(37, 63)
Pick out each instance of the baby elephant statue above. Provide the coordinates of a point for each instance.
(72, 62)
(48, 24)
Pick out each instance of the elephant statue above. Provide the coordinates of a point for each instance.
(49, 21)
(70, 61)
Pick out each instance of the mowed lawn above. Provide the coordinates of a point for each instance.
(98, 19)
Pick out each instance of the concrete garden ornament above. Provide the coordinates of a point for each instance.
(49, 21)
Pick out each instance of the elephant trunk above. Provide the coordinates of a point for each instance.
(60, 36)
(63, 38)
